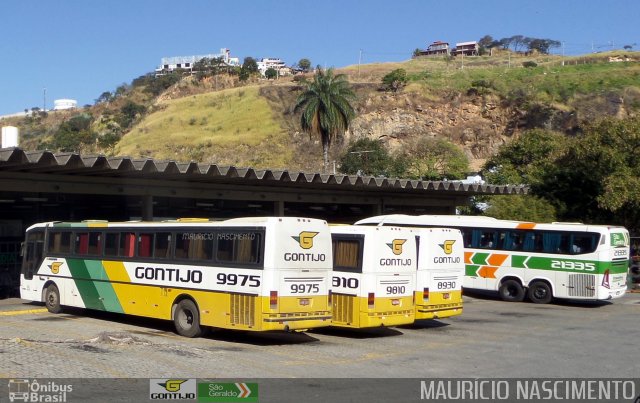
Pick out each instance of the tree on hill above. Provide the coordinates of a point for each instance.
(543, 45)
(271, 73)
(249, 68)
(434, 159)
(304, 64)
(326, 108)
(395, 80)
(369, 157)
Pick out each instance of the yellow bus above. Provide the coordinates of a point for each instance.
(257, 274)
(374, 276)
(440, 273)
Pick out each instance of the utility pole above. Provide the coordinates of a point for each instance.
(44, 100)
(359, 61)
(563, 53)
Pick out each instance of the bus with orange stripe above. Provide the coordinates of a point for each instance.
(538, 261)
(255, 274)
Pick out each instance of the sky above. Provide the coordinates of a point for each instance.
(79, 49)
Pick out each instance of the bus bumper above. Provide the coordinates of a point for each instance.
(439, 305)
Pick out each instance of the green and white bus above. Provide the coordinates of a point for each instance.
(540, 261)
(257, 274)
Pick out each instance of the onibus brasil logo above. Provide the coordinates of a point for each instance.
(447, 246)
(396, 246)
(305, 239)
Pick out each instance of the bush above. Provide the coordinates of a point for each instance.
(529, 64)
(395, 80)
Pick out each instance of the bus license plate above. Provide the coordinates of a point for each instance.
(446, 295)
(304, 301)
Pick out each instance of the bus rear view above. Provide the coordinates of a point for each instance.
(440, 273)
(374, 276)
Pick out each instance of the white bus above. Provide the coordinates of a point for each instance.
(540, 261)
(374, 276)
(255, 274)
(440, 273)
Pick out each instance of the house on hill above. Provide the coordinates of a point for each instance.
(278, 65)
(466, 49)
(437, 48)
(185, 63)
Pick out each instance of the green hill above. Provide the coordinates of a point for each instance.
(233, 126)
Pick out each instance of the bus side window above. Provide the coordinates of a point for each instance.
(95, 244)
(488, 239)
(513, 240)
(182, 245)
(82, 243)
(238, 248)
(583, 243)
(59, 243)
(111, 242)
(127, 244)
(467, 237)
(34, 254)
(162, 247)
(144, 244)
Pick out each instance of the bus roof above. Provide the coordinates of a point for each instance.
(178, 223)
(477, 221)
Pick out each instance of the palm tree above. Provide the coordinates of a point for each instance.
(326, 108)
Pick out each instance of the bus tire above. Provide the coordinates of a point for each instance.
(539, 292)
(511, 291)
(52, 299)
(187, 319)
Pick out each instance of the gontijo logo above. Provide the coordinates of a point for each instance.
(173, 385)
(396, 246)
(172, 389)
(55, 267)
(305, 239)
(447, 246)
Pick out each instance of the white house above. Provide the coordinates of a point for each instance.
(169, 64)
(278, 65)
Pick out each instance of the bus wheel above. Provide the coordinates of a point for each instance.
(52, 299)
(511, 291)
(539, 292)
(187, 319)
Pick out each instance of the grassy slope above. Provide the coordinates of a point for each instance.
(234, 126)
(240, 127)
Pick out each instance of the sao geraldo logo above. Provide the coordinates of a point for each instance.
(305, 239)
(447, 246)
(55, 267)
(396, 246)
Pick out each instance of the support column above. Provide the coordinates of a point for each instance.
(378, 208)
(278, 208)
(147, 208)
